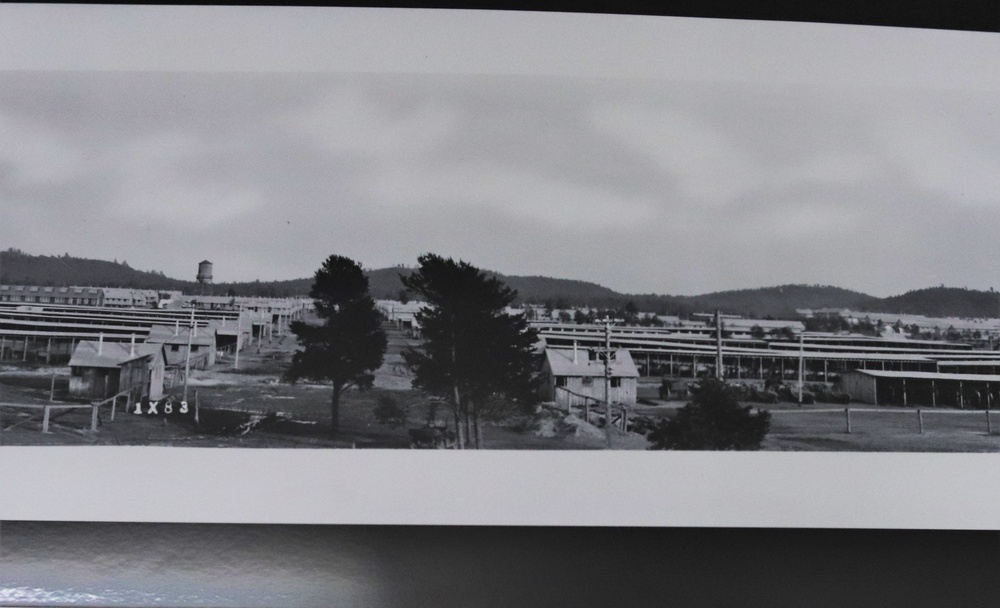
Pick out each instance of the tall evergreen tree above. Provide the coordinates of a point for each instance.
(474, 351)
(350, 343)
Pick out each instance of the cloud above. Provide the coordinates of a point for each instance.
(644, 186)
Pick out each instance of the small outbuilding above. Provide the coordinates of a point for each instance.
(175, 339)
(230, 334)
(579, 372)
(99, 370)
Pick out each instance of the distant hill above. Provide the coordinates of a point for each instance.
(385, 283)
(781, 301)
(941, 302)
(18, 267)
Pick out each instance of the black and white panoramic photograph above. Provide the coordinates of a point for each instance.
(504, 308)
(710, 259)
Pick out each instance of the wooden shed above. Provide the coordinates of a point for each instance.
(175, 340)
(579, 372)
(99, 370)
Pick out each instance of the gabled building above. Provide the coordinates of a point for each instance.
(35, 294)
(99, 370)
(579, 372)
(231, 334)
(174, 339)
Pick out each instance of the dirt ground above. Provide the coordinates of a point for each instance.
(254, 407)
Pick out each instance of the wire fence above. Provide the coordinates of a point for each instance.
(890, 420)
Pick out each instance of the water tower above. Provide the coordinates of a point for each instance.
(204, 274)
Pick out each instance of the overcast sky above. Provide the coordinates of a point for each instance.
(667, 185)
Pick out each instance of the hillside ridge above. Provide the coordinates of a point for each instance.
(18, 267)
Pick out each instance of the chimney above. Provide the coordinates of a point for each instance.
(574, 353)
(132, 351)
(100, 344)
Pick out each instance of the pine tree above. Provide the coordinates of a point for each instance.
(475, 354)
(350, 344)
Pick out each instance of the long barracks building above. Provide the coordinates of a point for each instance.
(50, 332)
(824, 357)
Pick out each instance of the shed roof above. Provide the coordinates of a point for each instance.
(971, 363)
(925, 375)
(91, 353)
(561, 363)
(165, 334)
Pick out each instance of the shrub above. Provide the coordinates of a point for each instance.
(712, 420)
(388, 412)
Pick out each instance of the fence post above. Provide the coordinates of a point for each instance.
(920, 420)
(114, 406)
(989, 424)
(847, 412)
(93, 418)
(52, 389)
(45, 420)
(624, 418)
(196, 421)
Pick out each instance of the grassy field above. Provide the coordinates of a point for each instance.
(944, 430)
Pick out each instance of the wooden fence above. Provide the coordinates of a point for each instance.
(571, 400)
(48, 408)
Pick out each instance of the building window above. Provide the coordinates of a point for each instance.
(561, 380)
(175, 347)
(616, 382)
(194, 348)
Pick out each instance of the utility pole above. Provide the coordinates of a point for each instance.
(718, 346)
(239, 334)
(802, 361)
(607, 354)
(187, 360)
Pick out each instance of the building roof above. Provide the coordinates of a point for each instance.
(970, 363)
(231, 327)
(925, 375)
(561, 363)
(91, 353)
(761, 323)
(164, 334)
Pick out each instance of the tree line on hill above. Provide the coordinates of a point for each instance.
(17, 267)
(20, 268)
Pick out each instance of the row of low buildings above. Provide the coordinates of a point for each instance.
(886, 370)
(575, 376)
(116, 297)
(100, 369)
(924, 323)
(107, 347)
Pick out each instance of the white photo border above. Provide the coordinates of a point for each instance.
(571, 488)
